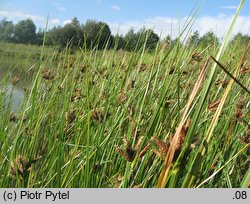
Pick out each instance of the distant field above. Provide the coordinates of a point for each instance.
(27, 50)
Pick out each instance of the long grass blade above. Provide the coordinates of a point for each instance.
(229, 74)
(176, 138)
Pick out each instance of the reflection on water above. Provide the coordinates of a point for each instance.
(14, 96)
(21, 68)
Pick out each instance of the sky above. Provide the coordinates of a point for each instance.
(164, 16)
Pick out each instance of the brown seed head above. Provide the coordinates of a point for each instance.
(196, 57)
(246, 137)
(19, 167)
(15, 80)
(213, 106)
(48, 75)
(13, 117)
(143, 67)
(84, 68)
(71, 116)
(122, 97)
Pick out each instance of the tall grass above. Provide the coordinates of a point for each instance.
(119, 119)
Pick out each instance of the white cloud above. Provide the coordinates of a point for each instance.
(54, 22)
(230, 7)
(220, 25)
(222, 15)
(115, 7)
(67, 22)
(166, 25)
(161, 25)
(17, 15)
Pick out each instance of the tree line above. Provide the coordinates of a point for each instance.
(97, 35)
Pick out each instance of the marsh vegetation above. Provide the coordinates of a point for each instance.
(167, 116)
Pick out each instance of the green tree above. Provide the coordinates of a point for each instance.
(194, 39)
(118, 42)
(209, 39)
(74, 22)
(6, 30)
(144, 37)
(168, 40)
(25, 32)
(148, 38)
(39, 36)
(131, 39)
(97, 34)
(240, 39)
(54, 36)
(70, 34)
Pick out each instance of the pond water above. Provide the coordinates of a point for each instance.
(10, 69)
(22, 65)
(15, 96)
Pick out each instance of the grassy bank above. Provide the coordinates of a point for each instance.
(25, 51)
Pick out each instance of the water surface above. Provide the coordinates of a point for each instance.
(21, 69)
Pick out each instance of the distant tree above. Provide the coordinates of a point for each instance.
(6, 30)
(71, 34)
(54, 36)
(194, 39)
(208, 39)
(40, 36)
(74, 22)
(97, 34)
(118, 42)
(240, 39)
(25, 32)
(148, 38)
(168, 40)
(144, 37)
(131, 39)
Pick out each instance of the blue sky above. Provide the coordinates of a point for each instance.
(163, 15)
